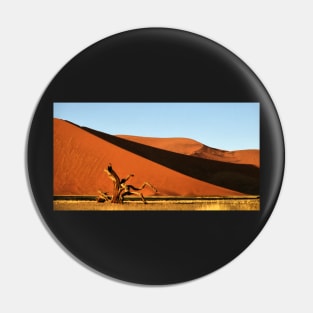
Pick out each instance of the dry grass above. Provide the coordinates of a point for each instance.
(232, 204)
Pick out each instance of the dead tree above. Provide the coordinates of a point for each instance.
(121, 189)
(129, 190)
(103, 196)
(116, 183)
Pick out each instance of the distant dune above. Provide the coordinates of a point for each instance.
(180, 145)
(194, 148)
(173, 166)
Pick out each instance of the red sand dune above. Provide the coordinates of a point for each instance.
(80, 158)
(194, 148)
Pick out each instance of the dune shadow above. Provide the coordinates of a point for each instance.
(243, 178)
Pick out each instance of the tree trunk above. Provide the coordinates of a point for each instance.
(115, 194)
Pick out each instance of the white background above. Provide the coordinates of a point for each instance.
(274, 38)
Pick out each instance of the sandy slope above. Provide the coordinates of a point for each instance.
(80, 158)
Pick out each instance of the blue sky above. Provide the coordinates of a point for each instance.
(227, 126)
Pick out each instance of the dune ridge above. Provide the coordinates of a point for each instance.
(80, 155)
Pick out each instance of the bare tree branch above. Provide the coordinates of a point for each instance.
(121, 189)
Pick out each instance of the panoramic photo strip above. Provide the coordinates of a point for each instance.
(156, 156)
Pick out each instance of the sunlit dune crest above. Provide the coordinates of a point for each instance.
(179, 145)
(194, 148)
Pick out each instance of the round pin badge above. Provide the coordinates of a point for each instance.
(155, 156)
